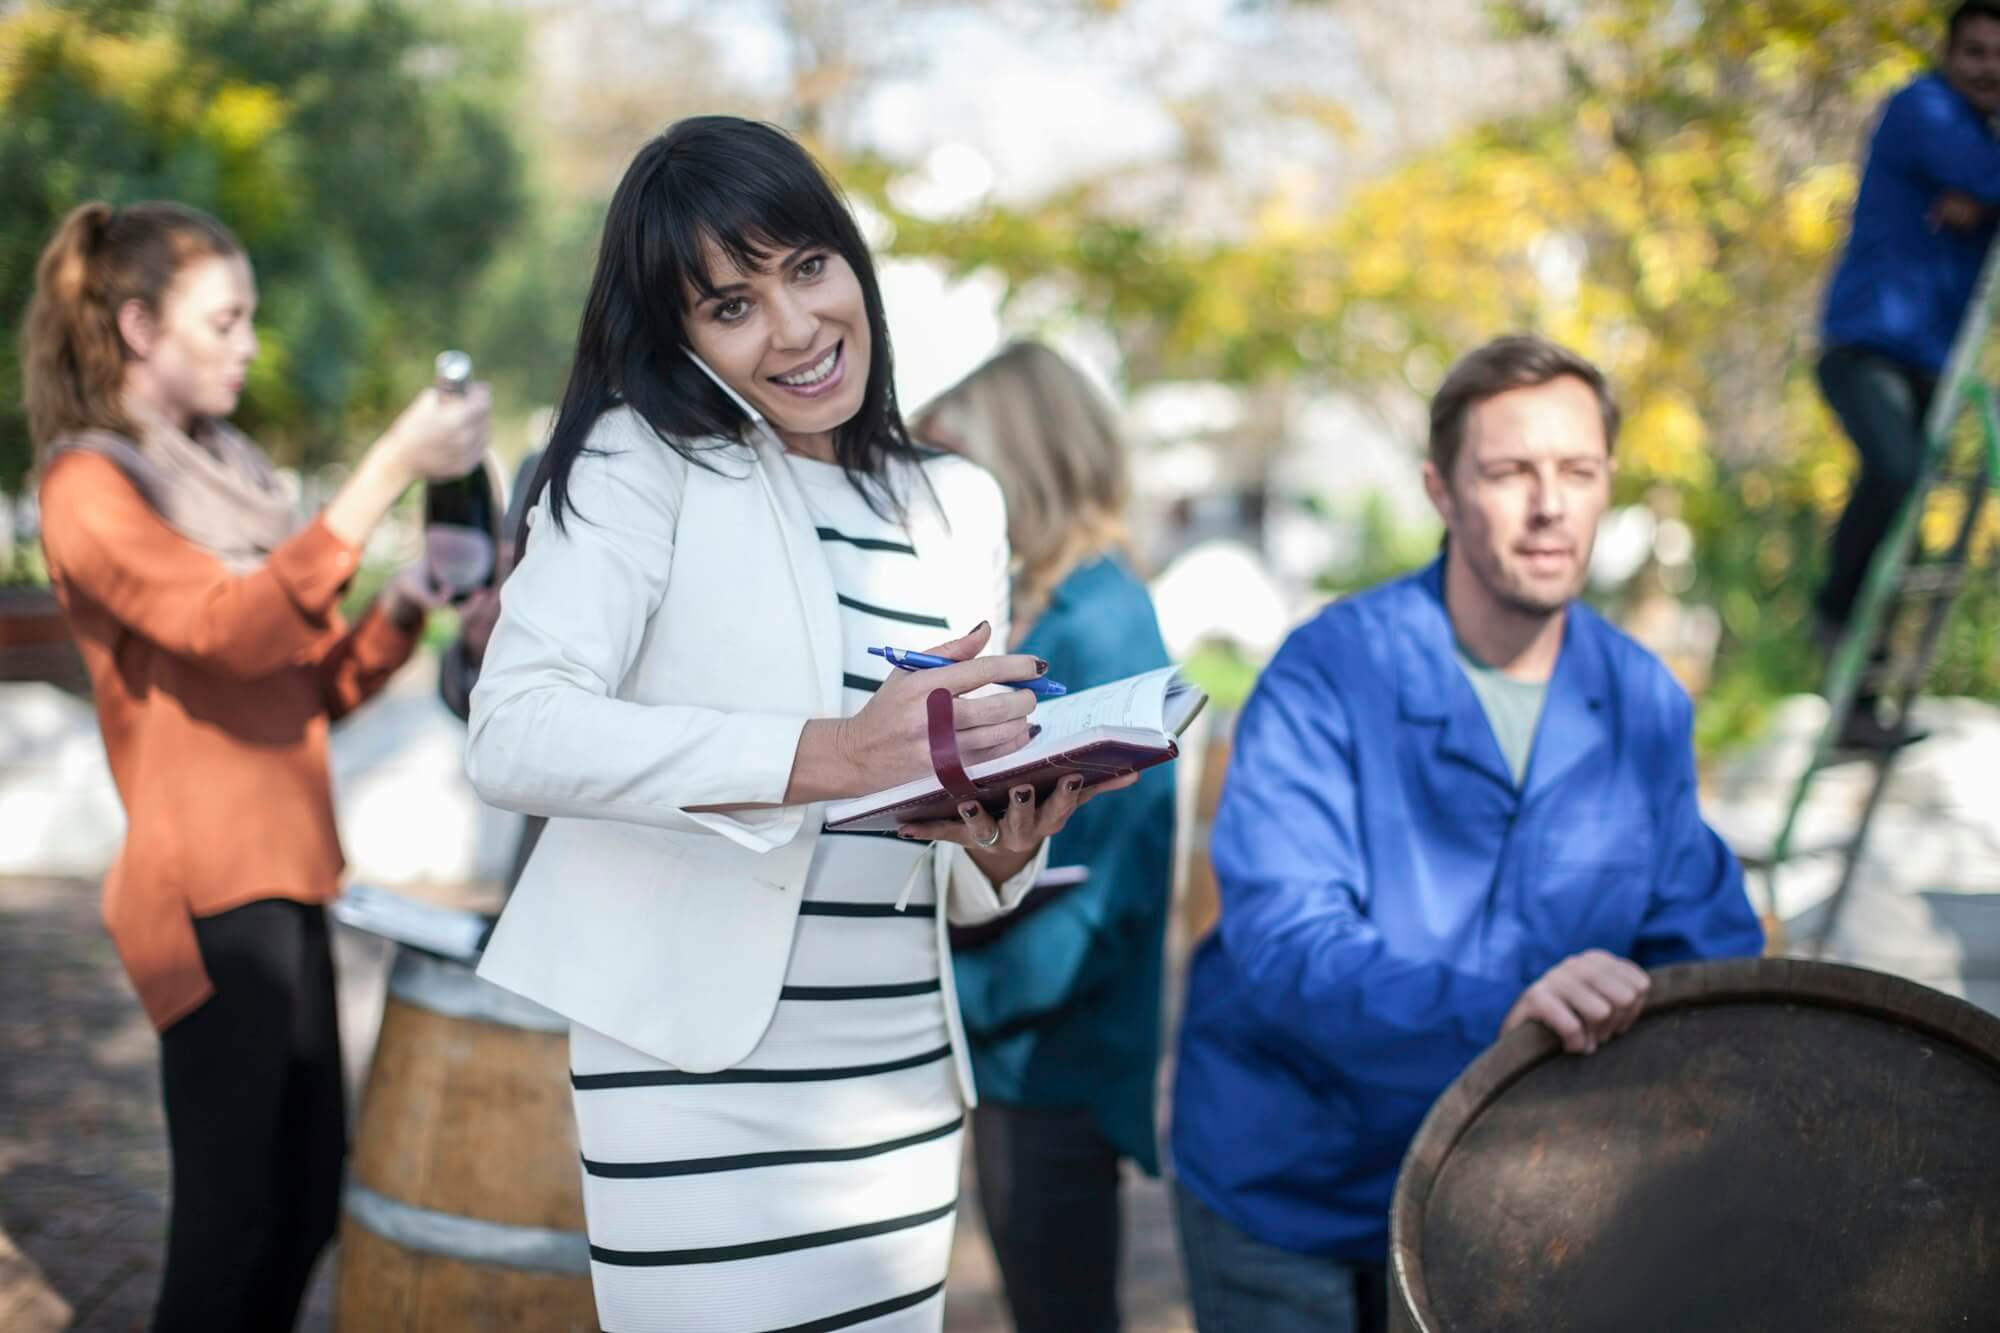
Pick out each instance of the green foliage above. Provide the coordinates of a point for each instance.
(1674, 214)
(360, 150)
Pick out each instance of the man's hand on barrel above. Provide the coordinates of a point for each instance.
(1585, 999)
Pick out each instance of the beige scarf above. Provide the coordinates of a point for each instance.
(215, 488)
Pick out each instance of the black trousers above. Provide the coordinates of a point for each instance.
(256, 1124)
(1048, 1186)
(1881, 404)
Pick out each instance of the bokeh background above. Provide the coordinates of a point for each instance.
(1266, 227)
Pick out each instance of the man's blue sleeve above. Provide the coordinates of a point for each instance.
(1698, 908)
(1925, 132)
(1292, 866)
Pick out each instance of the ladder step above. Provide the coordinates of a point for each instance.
(1962, 479)
(1943, 579)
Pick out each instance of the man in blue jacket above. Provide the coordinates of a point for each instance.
(1458, 803)
(1922, 224)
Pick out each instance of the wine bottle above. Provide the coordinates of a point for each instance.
(462, 516)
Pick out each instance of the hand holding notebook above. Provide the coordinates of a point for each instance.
(1101, 733)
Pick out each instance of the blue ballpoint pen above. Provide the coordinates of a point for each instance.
(905, 660)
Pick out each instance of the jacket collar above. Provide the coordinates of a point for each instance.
(1434, 690)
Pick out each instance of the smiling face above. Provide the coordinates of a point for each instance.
(1530, 482)
(1972, 62)
(189, 358)
(791, 338)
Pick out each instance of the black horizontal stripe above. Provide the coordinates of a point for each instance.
(676, 1078)
(865, 1313)
(889, 992)
(854, 682)
(759, 1249)
(866, 909)
(701, 1166)
(907, 617)
(866, 543)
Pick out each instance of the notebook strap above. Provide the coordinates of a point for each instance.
(945, 761)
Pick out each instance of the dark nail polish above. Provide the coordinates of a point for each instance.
(968, 810)
(1075, 784)
(980, 626)
(902, 833)
(1041, 667)
(1021, 795)
(1034, 730)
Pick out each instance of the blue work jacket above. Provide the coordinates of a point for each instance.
(1061, 998)
(1388, 893)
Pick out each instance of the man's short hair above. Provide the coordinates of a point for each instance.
(1517, 361)
(1966, 13)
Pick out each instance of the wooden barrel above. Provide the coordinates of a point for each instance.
(1774, 1145)
(464, 1206)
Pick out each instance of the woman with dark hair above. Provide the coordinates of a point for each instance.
(207, 618)
(766, 1064)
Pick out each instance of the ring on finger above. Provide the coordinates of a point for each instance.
(990, 841)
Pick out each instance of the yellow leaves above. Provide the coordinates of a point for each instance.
(242, 116)
(1944, 511)
(1896, 66)
(1377, 268)
(1816, 208)
(1669, 262)
(1779, 65)
(1664, 439)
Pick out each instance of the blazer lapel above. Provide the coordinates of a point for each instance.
(817, 602)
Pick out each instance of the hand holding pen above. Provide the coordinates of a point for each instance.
(903, 659)
(887, 741)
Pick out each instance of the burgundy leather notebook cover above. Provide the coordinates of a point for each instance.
(1100, 753)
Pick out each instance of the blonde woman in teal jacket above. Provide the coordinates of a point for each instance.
(1061, 1002)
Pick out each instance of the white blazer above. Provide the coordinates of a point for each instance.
(664, 651)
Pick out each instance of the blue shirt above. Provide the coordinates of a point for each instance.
(1388, 893)
(1061, 999)
(1901, 288)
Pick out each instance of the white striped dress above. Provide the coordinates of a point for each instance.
(813, 1186)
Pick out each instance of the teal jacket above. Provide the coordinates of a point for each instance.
(1061, 999)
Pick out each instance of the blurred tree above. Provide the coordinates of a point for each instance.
(361, 151)
(1674, 214)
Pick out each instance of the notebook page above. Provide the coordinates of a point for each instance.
(1134, 702)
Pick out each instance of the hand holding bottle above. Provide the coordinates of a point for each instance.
(441, 435)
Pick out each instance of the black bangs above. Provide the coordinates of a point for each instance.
(750, 191)
(750, 237)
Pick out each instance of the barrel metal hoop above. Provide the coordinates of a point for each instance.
(456, 991)
(470, 1239)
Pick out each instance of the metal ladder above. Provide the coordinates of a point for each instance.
(1899, 582)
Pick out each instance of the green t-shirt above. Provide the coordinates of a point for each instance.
(1513, 708)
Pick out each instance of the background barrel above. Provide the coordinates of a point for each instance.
(1775, 1144)
(464, 1205)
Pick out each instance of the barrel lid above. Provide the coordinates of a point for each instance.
(454, 990)
(1775, 1144)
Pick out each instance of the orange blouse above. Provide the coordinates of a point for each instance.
(213, 692)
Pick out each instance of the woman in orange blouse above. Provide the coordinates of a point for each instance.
(208, 620)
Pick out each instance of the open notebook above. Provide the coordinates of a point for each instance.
(1100, 732)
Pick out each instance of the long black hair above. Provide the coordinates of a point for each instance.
(753, 191)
